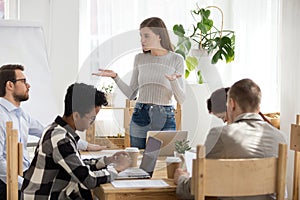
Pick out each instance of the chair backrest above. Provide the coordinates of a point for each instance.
(14, 160)
(239, 177)
(295, 145)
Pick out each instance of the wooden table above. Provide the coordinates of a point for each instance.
(109, 192)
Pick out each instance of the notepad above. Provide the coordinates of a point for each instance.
(139, 183)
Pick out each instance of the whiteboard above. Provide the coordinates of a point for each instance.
(24, 43)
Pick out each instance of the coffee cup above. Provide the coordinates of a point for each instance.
(172, 164)
(133, 153)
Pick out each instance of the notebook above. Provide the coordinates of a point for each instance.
(148, 163)
(168, 139)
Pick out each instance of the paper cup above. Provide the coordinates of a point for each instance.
(133, 153)
(172, 164)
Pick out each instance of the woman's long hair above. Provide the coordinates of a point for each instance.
(159, 28)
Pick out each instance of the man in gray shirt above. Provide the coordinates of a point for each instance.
(246, 135)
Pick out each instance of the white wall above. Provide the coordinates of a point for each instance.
(60, 19)
(42, 14)
(24, 43)
(290, 72)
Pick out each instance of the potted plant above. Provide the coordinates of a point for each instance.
(108, 91)
(218, 43)
(181, 146)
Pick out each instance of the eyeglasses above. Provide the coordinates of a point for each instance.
(221, 116)
(21, 79)
(91, 119)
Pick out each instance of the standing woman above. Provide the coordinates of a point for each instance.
(156, 77)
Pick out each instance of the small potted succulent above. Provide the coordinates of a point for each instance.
(181, 146)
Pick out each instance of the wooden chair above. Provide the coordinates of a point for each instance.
(90, 132)
(14, 160)
(178, 116)
(129, 107)
(239, 177)
(295, 145)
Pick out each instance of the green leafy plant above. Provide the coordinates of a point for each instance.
(181, 146)
(107, 89)
(217, 42)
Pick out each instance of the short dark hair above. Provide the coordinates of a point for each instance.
(82, 98)
(247, 94)
(158, 27)
(217, 101)
(100, 99)
(208, 104)
(7, 73)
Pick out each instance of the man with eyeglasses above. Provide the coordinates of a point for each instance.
(13, 90)
(57, 171)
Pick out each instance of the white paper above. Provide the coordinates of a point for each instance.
(139, 184)
(98, 154)
(189, 156)
(88, 156)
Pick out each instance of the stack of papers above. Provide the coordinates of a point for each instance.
(139, 184)
(189, 156)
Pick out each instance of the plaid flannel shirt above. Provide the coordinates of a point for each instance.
(57, 171)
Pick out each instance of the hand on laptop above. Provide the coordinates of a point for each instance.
(120, 160)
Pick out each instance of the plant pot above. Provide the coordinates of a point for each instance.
(109, 98)
(195, 117)
(210, 73)
(179, 155)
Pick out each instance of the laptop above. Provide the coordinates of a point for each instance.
(168, 139)
(148, 163)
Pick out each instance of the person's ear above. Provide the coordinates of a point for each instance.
(158, 36)
(231, 104)
(9, 84)
(76, 116)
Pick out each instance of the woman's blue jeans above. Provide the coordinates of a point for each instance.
(149, 117)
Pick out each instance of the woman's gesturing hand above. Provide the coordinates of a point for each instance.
(105, 73)
(173, 77)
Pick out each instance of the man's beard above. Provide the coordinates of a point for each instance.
(20, 98)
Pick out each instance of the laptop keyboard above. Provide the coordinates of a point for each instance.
(133, 172)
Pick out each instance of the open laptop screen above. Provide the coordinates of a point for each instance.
(150, 155)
